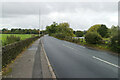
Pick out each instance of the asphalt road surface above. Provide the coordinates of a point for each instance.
(70, 60)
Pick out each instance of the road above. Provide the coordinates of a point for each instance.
(70, 60)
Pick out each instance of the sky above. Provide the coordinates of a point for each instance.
(81, 15)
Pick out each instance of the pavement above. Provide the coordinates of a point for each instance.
(24, 64)
(70, 60)
(29, 65)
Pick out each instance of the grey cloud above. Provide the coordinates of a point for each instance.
(12, 9)
(80, 15)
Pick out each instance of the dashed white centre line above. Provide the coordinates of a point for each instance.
(106, 62)
(69, 47)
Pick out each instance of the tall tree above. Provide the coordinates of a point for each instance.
(114, 30)
(103, 30)
(52, 28)
(79, 33)
(60, 29)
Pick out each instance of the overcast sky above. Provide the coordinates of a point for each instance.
(80, 15)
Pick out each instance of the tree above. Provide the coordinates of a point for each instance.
(4, 30)
(115, 42)
(59, 30)
(52, 28)
(79, 33)
(93, 38)
(20, 31)
(12, 30)
(84, 32)
(65, 29)
(114, 30)
(102, 30)
(94, 28)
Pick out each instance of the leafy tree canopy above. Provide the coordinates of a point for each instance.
(102, 30)
(99, 28)
(79, 33)
(115, 42)
(94, 28)
(114, 30)
(61, 28)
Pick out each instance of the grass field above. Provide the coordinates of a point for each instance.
(22, 37)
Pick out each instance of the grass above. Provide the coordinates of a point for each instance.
(106, 39)
(22, 37)
(6, 71)
(104, 46)
(100, 46)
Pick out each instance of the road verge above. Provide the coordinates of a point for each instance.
(48, 63)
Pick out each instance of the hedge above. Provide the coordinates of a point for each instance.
(93, 38)
(11, 51)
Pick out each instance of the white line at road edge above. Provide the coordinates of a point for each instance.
(48, 62)
(106, 62)
(0, 73)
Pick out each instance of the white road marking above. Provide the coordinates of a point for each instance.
(96, 58)
(0, 73)
(106, 62)
(68, 47)
(71, 48)
(48, 62)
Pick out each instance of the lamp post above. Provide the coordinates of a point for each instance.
(39, 22)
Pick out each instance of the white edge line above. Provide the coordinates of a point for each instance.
(0, 73)
(106, 62)
(99, 59)
(49, 65)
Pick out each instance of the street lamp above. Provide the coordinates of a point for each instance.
(39, 22)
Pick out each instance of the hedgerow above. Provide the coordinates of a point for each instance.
(11, 51)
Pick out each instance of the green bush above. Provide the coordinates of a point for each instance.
(68, 38)
(79, 33)
(103, 31)
(115, 43)
(75, 40)
(60, 35)
(93, 38)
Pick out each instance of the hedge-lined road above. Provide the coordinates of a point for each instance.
(70, 60)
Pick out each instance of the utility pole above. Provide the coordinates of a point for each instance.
(42, 30)
(39, 22)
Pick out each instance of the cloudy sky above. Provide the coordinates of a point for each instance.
(80, 15)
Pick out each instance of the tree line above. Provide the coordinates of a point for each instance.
(21, 31)
(98, 34)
